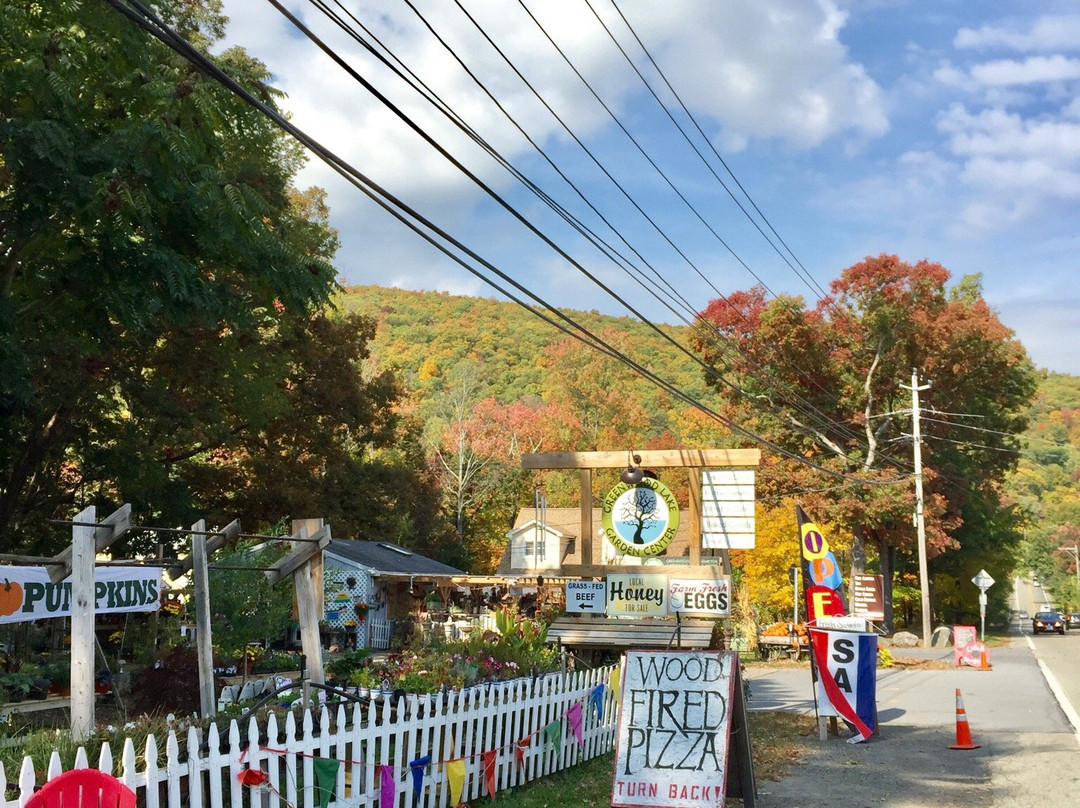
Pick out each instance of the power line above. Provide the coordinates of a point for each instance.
(429, 231)
(803, 407)
(797, 402)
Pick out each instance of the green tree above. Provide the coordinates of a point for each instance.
(245, 607)
(154, 262)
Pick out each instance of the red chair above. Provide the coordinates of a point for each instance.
(83, 788)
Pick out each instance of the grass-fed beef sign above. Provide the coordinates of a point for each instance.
(26, 593)
(674, 721)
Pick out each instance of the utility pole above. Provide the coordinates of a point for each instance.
(920, 522)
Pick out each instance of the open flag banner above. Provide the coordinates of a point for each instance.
(822, 584)
(387, 786)
(326, 772)
(417, 768)
(597, 699)
(847, 678)
(26, 593)
(489, 759)
(455, 775)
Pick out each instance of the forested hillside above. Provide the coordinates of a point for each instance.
(1047, 484)
(487, 378)
(427, 335)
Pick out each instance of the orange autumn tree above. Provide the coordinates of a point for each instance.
(776, 549)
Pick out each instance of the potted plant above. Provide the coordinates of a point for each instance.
(361, 610)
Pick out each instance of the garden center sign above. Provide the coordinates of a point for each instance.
(640, 519)
(26, 593)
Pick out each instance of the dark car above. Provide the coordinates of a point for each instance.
(1048, 621)
(1072, 620)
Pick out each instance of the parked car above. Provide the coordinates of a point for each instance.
(1048, 621)
(1072, 620)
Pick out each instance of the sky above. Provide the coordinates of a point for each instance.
(791, 139)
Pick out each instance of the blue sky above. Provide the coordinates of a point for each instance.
(948, 131)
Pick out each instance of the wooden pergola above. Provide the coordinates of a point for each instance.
(694, 460)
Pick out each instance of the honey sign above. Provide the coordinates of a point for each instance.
(637, 595)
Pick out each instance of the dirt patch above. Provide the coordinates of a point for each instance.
(910, 663)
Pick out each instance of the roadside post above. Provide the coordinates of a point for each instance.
(984, 582)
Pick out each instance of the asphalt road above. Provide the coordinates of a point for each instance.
(1029, 749)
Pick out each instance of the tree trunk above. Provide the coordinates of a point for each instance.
(885, 553)
(858, 552)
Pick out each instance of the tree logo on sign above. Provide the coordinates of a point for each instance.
(640, 519)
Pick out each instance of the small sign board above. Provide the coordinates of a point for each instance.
(727, 509)
(586, 596)
(637, 595)
(701, 597)
(962, 637)
(983, 580)
(682, 739)
(867, 596)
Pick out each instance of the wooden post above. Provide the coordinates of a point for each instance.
(307, 609)
(83, 608)
(203, 637)
(695, 516)
(588, 532)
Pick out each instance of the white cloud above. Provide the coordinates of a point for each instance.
(1050, 32)
(1037, 69)
(767, 69)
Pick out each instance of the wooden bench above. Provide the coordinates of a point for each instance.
(593, 633)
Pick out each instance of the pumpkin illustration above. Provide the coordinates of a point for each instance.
(11, 597)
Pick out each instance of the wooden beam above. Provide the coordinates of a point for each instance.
(658, 458)
(15, 558)
(298, 557)
(230, 533)
(708, 572)
(108, 530)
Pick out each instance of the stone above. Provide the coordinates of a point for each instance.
(905, 639)
(941, 638)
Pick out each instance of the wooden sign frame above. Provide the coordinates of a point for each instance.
(694, 460)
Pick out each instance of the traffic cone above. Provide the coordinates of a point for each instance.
(984, 661)
(963, 731)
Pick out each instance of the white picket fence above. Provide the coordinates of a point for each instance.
(363, 738)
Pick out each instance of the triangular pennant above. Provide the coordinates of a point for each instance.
(417, 768)
(519, 750)
(553, 732)
(613, 683)
(573, 716)
(489, 759)
(455, 773)
(597, 697)
(326, 771)
(387, 787)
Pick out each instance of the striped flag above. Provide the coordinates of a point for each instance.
(847, 678)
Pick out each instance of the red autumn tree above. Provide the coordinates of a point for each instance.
(827, 385)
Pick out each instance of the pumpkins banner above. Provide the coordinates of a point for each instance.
(26, 593)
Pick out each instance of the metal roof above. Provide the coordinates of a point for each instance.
(383, 557)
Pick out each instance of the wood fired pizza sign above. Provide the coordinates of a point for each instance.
(674, 722)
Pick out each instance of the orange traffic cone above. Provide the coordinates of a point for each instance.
(963, 732)
(984, 661)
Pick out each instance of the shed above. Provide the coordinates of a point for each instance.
(370, 587)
